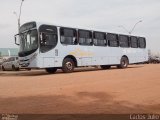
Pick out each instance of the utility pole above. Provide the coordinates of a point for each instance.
(130, 31)
(19, 16)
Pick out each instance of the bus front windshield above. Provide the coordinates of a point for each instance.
(29, 41)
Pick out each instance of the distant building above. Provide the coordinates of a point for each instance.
(6, 52)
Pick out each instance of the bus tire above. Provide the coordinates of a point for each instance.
(51, 70)
(17, 69)
(68, 65)
(29, 69)
(123, 63)
(104, 67)
(13, 68)
(3, 69)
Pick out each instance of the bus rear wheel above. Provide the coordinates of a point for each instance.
(123, 63)
(104, 67)
(68, 65)
(51, 70)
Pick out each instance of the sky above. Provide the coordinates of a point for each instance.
(104, 15)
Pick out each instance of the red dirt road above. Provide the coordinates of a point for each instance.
(132, 90)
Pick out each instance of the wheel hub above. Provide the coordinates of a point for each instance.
(69, 65)
(124, 63)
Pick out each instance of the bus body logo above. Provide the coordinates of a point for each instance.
(79, 52)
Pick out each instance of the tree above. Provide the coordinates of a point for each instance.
(0, 54)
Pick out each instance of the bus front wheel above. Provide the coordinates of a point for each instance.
(68, 65)
(51, 70)
(123, 63)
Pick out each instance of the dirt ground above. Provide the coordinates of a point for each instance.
(132, 90)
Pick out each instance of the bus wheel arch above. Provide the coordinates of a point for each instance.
(69, 63)
(124, 62)
(73, 58)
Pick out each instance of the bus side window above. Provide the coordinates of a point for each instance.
(141, 42)
(124, 41)
(85, 37)
(48, 37)
(68, 36)
(134, 42)
(112, 40)
(99, 39)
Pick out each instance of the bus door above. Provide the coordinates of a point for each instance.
(48, 42)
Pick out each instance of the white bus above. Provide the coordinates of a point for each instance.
(55, 47)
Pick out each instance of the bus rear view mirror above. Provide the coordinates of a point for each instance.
(17, 40)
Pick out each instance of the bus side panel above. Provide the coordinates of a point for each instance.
(115, 55)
